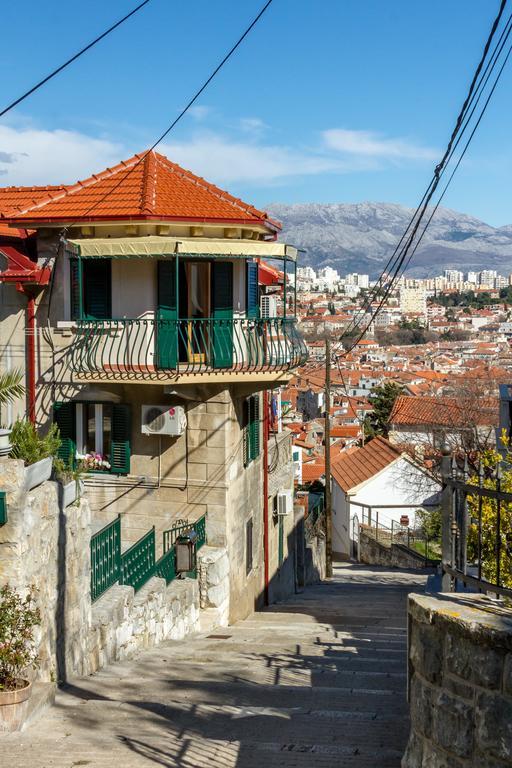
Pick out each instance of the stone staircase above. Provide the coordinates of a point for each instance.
(316, 682)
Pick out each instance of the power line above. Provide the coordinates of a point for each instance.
(401, 253)
(183, 112)
(72, 59)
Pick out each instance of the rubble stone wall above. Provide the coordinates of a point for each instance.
(460, 682)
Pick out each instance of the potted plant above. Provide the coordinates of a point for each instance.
(69, 476)
(10, 388)
(37, 452)
(18, 619)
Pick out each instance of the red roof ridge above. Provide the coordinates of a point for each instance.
(148, 202)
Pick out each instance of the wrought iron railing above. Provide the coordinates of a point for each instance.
(105, 558)
(131, 349)
(411, 538)
(138, 562)
(476, 527)
(182, 527)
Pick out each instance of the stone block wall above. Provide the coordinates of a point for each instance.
(372, 552)
(44, 546)
(460, 682)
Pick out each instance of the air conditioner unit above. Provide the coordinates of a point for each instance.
(163, 420)
(268, 307)
(284, 502)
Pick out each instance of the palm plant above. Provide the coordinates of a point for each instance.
(11, 386)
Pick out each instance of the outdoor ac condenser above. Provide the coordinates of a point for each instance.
(284, 503)
(163, 420)
(268, 307)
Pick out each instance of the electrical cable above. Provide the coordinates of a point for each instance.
(183, 112)
(398, 258)
(72, 59)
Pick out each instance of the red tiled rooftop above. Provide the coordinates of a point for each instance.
(443, 411)
(313, 471)
(145, 187)
(350, 469)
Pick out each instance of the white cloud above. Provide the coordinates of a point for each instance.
(199, 112)
(370, 144)
(30, 156)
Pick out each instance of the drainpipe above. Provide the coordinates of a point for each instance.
(265, 497)
(31, 357)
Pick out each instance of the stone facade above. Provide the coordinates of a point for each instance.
(460, 690)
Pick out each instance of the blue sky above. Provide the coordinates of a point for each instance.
(326, 101)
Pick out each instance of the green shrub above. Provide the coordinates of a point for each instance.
(29, 446)
(18, 617)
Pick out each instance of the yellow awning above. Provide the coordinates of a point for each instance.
(154, 246)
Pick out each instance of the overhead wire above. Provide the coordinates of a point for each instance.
(72, 59)
(180, 115)
(396, 260)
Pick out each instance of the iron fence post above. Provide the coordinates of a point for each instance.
(446, 506)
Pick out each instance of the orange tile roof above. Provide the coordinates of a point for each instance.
(15, 197)
(350, 469)
(313, 471)
(443, 411)
(145, 187)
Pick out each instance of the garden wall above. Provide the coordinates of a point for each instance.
(460, 683)
(372, 552)
(44, 546)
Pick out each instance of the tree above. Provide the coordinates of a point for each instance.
(382, 400)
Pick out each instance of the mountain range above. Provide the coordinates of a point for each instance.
(360, 237)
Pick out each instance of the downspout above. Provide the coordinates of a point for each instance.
(265, 498)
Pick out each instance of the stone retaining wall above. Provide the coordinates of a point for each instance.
(48, 548)
(372, 552)
(460, 691)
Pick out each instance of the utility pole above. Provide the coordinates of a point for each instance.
(327, 440)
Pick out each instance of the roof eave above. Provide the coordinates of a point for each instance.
(76, 221)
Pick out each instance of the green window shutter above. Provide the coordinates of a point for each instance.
(245, 432)
(167, 286)
(253, 306)
(222, 310)
(167, 328)
(254, 426)
(65, 418)
(75, 276)
(120, 450)
(97, 279)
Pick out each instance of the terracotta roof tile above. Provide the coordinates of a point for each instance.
(313, 471)
(147, 186)
(352, 468)
(443, 411)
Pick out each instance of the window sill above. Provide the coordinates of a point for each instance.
(66, 325)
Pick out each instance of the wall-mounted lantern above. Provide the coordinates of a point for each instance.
(3, 507)
(186, 552)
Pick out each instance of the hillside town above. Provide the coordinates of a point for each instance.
(255, 490)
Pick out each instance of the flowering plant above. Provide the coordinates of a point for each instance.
(18, 617)
(92, 461)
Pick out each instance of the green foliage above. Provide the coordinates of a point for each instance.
(18, 617)
(29, 446)
(382, 399)
(11, 386)
(430, 522)
(66, 472)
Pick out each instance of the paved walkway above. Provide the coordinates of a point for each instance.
(318, 682)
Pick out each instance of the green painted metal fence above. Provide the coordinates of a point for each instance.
(165, 567)
(105, 558)
(138, 562)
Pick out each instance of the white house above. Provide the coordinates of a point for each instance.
(376, 484)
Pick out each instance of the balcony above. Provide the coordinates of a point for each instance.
(154, 349)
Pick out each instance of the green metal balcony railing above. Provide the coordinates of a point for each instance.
(184, 526)
(105, 558)
(151, 346)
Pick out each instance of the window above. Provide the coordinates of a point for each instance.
(91, 288)
(94, 434)
(251, 429)
(248, 546)
(97, 433)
